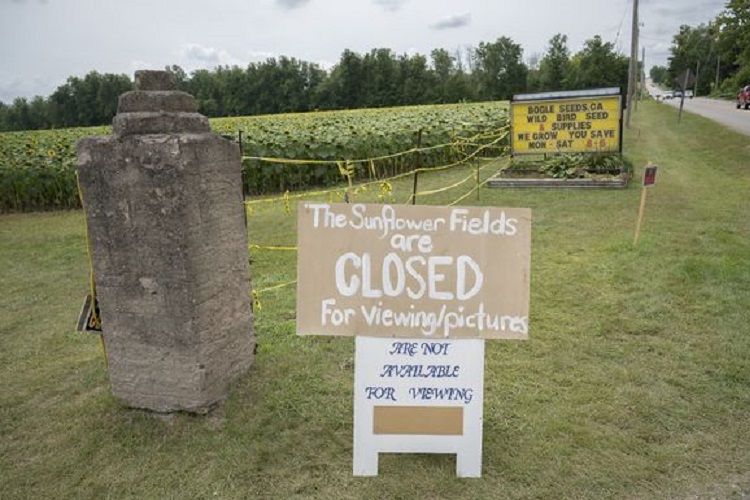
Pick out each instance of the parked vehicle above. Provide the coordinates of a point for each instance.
(689, 93)
(743, 97)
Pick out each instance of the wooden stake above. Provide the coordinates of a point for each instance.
(417, 166)
(477, 188)
(349, 190)
(641, 209)
(414, 189)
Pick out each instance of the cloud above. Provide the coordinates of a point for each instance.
(138, 64)
(196, 55)
(454, 21)
(660, 30)
(390, 5)
(260, 55)
(10, 89)
(685, 10)
(12, 86)
(291, 4)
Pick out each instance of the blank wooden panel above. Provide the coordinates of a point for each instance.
(432, 420)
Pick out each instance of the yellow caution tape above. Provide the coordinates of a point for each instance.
(388, 179)
(273, 247)
(311, 161)
(257, 305)
(276, 287)
(92, 284)
(465, 195)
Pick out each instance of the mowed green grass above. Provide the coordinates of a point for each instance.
(635, 382)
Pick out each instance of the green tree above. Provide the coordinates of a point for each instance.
(414, 80)
(597, 65)
(108, 89)
(4, 125)
(380, 78)
(38, 114)
(693, 48)
(444, 71)
(347, 76)
(659, 74)
(732, 28)
(179, 76)
(499, 70)
(553, 67)
(205, 87)
(451, 83)
(18, 115)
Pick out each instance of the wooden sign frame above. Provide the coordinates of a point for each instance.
(563, 98)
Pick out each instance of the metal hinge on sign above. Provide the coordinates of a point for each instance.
(88, 318)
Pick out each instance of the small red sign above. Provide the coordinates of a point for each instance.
(649, 176)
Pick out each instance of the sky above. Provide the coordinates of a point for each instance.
(42, 42)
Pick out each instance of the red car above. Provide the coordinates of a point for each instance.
(743, 97)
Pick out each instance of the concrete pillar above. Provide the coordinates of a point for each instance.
(163, 202)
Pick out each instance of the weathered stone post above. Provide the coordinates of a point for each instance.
(164, 208)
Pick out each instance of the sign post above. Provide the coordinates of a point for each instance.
(684, 80)
(421, 288)
(649, 179)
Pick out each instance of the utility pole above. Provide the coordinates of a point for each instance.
(643, 73)
(682, 99)
(718, 62)
(637, 84)
(633, 66)
(697, 73)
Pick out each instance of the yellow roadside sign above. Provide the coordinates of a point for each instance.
(567, 122)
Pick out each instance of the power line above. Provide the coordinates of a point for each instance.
(619, 28)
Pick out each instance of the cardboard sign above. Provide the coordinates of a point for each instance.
(567, 122)
(649, 175)
(415, 395)
(413, 271)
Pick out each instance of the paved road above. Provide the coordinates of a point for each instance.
(724, 112)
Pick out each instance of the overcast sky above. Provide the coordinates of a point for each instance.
(42, 42)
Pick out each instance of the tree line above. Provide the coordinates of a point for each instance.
(717, 52)
(490, 71)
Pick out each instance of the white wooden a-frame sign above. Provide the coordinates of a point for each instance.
(401, 405)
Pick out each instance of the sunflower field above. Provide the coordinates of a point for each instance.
(285, 152)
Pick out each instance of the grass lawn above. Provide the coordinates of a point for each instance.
(635, 383)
